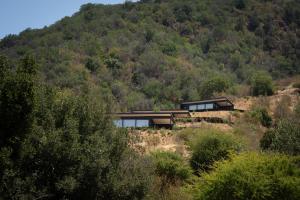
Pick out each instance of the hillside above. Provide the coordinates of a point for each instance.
(284, 101)
(156, 53)
(64, 90)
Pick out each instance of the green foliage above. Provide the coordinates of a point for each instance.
(261, 114)
(170, 167)
(17, 100)
(67, 147)
(284, 138)
(240, 4)
(213, 85)
(261, 84)
(252, 176)
(211, 146)
(183, 12)
(169, 49)
(191, 40)
(92, 65)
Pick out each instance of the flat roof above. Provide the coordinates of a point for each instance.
(161, 111)
(143, 115)
(215, 100)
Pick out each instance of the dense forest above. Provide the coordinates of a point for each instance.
(60, 84)
(156, 53)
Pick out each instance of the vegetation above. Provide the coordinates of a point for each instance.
(58, 84)
(284, 138)
(171, 167)
(261, 84)
(252, 176)
(172, 172)
(261, 115)
(212, 146)
(153, 54)
(57, 145)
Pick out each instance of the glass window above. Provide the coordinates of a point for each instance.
(193, 107)
(201, 106)
(209, 106)
(128, 123)
(118, 123)
(142, 123)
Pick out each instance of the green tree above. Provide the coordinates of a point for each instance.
(170, 167)
(17, 100)
(252, 176)
(284, 138)
(261, 115)
(262, 84)
(213, 85)
(210, 147)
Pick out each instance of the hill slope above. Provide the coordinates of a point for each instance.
(155, 53)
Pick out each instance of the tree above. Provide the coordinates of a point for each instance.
(69, 148)
(284, 138)
(240, 4)
(17, 100)
(252, 176)
(210, 147)
(183, 12)
(172, 171)
(261, 84)
(170, 167)
(92, 65)
(213, 85)
(261, 115)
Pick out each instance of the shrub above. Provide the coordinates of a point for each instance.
(92, 65)
(284, 138)
(210, 147)
(261, 84)
(170, 167)
(261, 114)
(215, 84)
(240, 4)
(252, 176)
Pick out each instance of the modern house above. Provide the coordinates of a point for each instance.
(142, 120)
(175, 113)
(216, 104)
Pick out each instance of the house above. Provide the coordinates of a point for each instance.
(216, 104)
(175, 113)
(143, 120)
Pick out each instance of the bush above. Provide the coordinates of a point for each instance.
(284, 138)
(213, 85)
(262, 84)
(92, 64)
(170, 167)
(252, 176)
(210, 147)
(261, 114)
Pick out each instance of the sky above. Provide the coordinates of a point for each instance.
(17, 15)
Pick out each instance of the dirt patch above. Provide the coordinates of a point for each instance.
(159, 140)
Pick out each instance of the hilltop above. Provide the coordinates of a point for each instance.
(156, 53)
